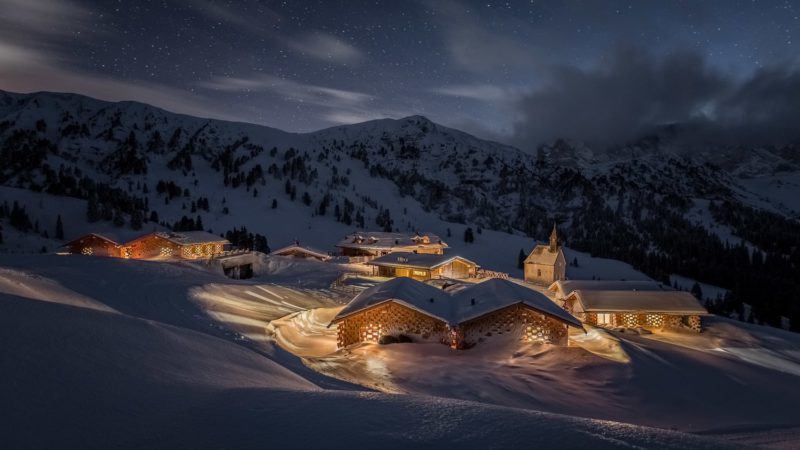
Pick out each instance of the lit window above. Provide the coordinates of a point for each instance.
(87, 251)
(604, 319)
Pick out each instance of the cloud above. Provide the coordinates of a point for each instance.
(289, 89)
(315, 44)
(42, 17)
(325, 47)
(628, 94)
(28, 70)
(482, 92)
(633, 93)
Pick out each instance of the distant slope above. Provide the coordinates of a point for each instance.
(651, 203)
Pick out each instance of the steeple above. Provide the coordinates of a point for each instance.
(554, 239)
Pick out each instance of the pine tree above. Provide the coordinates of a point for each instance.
(274, 203)
(697, 291)
(521, 259)
(59, 229)
(306, 199)
(198, 224)
(136, 219)
(119, 221)
(469, 237)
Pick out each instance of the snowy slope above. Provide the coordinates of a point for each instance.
(155, 374)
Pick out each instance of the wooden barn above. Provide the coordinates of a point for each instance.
(93, 244)
(174, 245)
(376, 243)
(459, 318)
(546, 263)
(421, 266)
(652, 309)
(296, 250)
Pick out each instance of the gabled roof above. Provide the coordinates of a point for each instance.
(301, 248)
(190, 237)
(496, 293)
(541, 254)
(669, 302)
(565, 287)
(380, 240)
(416, 260)
(455, 307)
(411, 293)
(116, 237)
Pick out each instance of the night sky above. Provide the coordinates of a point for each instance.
(519, 72)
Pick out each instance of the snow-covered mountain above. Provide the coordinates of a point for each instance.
(651, 203)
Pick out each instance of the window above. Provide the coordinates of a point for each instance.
(538, 272)
(604, 319)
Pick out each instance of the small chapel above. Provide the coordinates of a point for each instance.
(546, 264)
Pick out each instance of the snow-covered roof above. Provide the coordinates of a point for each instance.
(387, 240)
(669, 302)
(541, 254)
(405, 291)
(295, 247)
(565, 287)
(190, 237)
(416, 260)
(496, 293)
(116, 237)
(455, 307)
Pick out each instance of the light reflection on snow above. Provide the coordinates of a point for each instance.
(600, 343)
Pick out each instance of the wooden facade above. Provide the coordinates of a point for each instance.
(149, 246)
(456, 268)
(520, 321)
(389, 318)
(94, 245)
(655, 321)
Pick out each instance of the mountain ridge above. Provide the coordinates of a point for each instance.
(139, 163)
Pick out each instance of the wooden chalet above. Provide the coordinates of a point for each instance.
(376, 243)
(422, 266)
(632, 304)
(155, 245)
(168, 244)
(459, 318)
(94, 244)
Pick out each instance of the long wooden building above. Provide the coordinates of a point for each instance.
(421, 266)
(154, 245)
(460, 318)
(630, 304)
